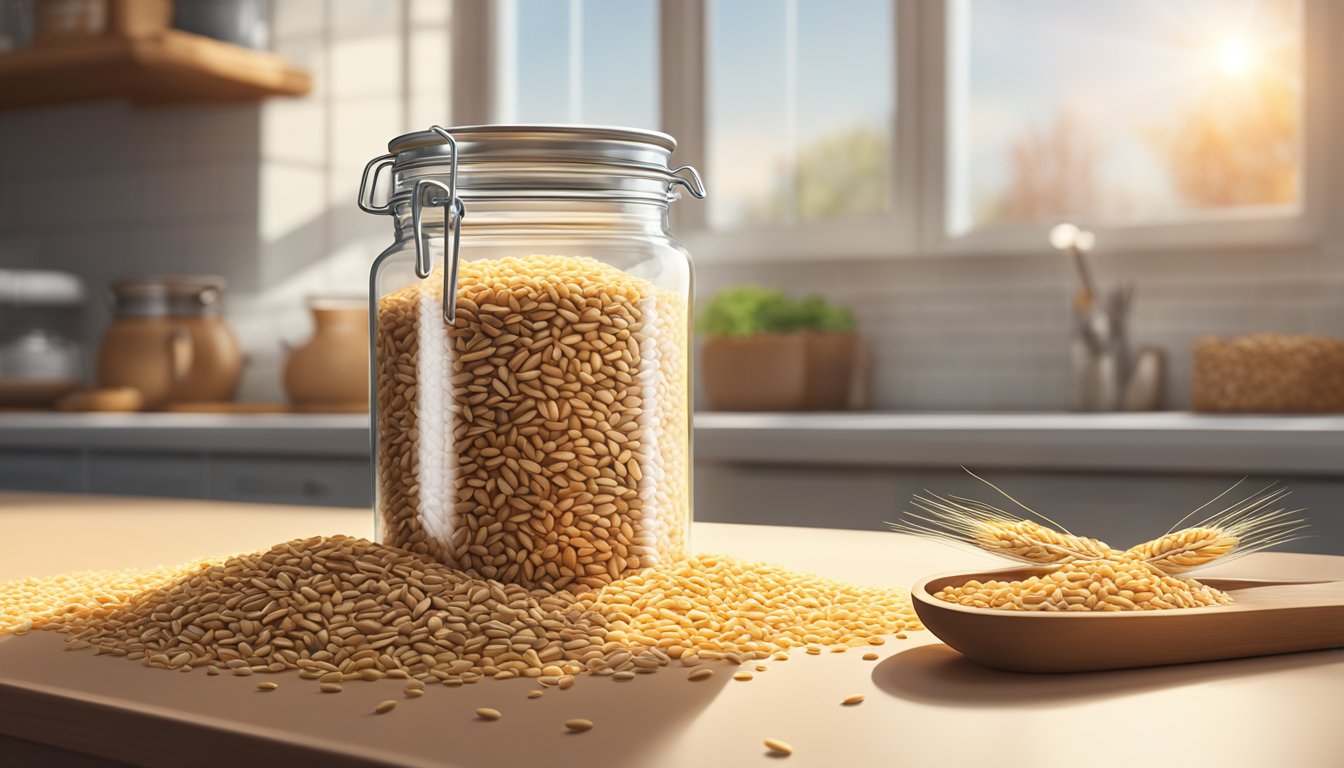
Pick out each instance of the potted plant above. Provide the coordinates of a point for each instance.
(764, 351)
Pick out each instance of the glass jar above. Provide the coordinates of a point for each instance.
(532, 423)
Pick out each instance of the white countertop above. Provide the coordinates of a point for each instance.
(1161, 442)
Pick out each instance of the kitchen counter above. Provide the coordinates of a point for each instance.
(1112, 442)
(1164, 442)
(925, 705)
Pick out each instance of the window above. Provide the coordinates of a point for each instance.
(578, 61)
(872, 127)
(799, 110)
(1139, 112)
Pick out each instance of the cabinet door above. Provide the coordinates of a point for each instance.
(176, 475)
(60, 471)
(324, 482)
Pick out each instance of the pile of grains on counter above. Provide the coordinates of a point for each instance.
(541, 438)
(34, 603)
(1094, 585)
(342, 609)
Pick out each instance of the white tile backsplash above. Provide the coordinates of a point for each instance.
(262, 194)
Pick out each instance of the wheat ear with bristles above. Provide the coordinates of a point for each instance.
(1249, 525)
(958, 520)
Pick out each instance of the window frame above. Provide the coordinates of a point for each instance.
(921, 168)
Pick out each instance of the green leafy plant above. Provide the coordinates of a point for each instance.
(749, 310)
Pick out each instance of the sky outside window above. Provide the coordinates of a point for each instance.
(1141, 111)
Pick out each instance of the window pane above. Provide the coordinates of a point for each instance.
(1143, 111)
(612, 45)
(799, 110)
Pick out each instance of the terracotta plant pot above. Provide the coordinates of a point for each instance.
(782, 372)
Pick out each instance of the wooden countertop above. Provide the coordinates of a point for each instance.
(926, 706)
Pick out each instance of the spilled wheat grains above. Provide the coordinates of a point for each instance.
(340, 609)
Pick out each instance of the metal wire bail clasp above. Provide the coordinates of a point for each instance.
(434, 193)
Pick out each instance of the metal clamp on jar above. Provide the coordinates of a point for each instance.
(532, 420)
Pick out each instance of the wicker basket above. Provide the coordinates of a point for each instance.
(1268, 373)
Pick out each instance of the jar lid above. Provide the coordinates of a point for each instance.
(37, 287)
(547, 143)
(543, 160)
(188, 295)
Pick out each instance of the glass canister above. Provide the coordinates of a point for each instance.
(532, 420)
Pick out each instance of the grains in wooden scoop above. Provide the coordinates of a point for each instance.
(341, 609)
(579, 725)
(541, 438)
(385, 706)
(778, 747)
(487, 713)
(1095, 585)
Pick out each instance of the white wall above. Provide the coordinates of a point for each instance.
(263, 194)
(992, 332)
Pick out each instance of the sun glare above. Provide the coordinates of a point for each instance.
(1235, 57)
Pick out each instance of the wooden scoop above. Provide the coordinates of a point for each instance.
(1267, 617)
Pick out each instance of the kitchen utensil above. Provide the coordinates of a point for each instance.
(1147, 378)
(169, 342)
(1267, 617)
(331, 371)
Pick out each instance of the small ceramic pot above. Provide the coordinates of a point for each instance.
(331, 371)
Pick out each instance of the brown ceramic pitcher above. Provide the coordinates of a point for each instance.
(168, 342)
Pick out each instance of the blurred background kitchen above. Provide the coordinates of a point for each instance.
(1086, 249)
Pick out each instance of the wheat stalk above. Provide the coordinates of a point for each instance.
(1249, 525)
(957, 520)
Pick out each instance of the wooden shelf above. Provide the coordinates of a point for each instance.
(169, 67)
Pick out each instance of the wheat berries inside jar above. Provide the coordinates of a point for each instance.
(531, 336)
